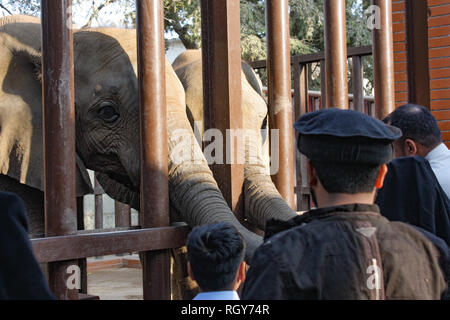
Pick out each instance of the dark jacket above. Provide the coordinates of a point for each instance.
(20, 275)
(411, 193)
(345, 252)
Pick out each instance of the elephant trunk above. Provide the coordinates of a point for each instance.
(262, 199)
(193, 190)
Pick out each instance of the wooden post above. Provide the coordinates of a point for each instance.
(358, 89)
(416, 17)
(221, 54)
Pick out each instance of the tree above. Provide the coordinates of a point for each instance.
(182, 18)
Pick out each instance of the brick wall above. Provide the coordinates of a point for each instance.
(439, 60)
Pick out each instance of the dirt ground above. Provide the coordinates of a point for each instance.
(116, 284)
(113, 280)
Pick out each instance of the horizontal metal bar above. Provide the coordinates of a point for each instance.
(316, 57)
(77, 246)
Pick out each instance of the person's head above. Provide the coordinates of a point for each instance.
(420, 131)
(347, 152)
(216, 254)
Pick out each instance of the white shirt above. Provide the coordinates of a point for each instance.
(439, 159)
(217, 295)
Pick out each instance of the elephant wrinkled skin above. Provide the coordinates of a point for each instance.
(107, 130)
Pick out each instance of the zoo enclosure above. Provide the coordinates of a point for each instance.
(221, 49)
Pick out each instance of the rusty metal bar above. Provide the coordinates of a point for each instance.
(104, 243)
(357, 83)
(318, 57)
(98, 201)
(301, 107)
(154, 188)
(383, 60)
(336, 54)
(221, 55)
(59, 134)
(416, 23)
(122, 214)
(279, 94)
(323, 84)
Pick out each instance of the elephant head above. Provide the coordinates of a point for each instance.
(107, 122)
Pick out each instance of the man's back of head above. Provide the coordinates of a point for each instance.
(348, 151)
(215, 254)
(420, 131)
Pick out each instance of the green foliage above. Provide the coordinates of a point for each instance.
(183, 19)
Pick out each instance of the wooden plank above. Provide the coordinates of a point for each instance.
(77, 246)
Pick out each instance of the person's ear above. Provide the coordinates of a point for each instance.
(312, 175)
(190, 273)
(381, 176)
(410, 147)
(240, 276)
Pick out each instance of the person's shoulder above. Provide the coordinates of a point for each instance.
(8, 198)
(408, 235)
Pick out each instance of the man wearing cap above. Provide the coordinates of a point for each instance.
(344, 249)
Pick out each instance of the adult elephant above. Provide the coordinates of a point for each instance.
(107, 129)
(262, 199)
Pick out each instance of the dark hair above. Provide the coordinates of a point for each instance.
(215, 252)
(417, 123)
(346, 178)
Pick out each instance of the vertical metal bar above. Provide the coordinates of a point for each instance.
(336, 54)
(358, 89)
(383, 60)
(416, 17)
(280, 99)
(98, 198)
(82, 263)
(154, 168)
(59, 133)
(302, 172)
(323, 84)
(122, 214)
(221, 54)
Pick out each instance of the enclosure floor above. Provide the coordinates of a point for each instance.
(116, 284)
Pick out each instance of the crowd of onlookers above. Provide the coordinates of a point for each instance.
(379, 227)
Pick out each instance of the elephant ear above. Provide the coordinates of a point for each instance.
(21, 136)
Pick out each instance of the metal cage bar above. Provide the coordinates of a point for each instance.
(383, 60)
(59, 133)
(154, 211)
(279, 95)
(336, 54)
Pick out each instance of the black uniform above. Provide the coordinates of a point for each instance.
(349, 251)
(20, 275)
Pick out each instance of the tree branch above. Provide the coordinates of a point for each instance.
(96, 12)
(4, 8)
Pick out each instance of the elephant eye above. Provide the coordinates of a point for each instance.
(108, 113)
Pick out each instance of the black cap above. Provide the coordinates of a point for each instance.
(345, 136)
